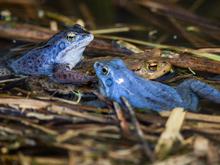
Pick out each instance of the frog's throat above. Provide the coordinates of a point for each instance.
(70, 57)
(105, 91)
(102, 88)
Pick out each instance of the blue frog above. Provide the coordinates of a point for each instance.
(116, 80)
(56, 57)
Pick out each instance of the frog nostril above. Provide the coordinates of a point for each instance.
(96, 65)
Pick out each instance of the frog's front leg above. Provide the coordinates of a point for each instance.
(63, 74)
(190, 90)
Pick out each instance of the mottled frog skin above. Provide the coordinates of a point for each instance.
(116, 80)
(63, 51)
(153, 69)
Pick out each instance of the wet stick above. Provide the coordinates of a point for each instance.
(171, 135)
(161, 46)
(138, 130)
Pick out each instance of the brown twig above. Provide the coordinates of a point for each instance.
(185, 61)
(24, 32)
(122, 121)
(138, 130)
(37, 104)
(180, 13)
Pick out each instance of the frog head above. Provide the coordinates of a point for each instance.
(68, 45)
(114, 78)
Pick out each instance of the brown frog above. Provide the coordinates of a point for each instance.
(150, 69)
(153, 69)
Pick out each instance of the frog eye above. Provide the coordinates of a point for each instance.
(105, 70)
(71, 36)
(152, 66)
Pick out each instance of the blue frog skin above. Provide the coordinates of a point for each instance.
(64, 50)
(116, 80)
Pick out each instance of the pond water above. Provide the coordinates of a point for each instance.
(107, 13)
(173, 22)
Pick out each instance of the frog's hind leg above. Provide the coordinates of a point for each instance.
(201, 89)
(190, 99)
(62, 74)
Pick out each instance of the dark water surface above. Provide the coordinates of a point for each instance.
(108, 13)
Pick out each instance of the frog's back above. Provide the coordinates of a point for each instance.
(31, 63)
(154, 95)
